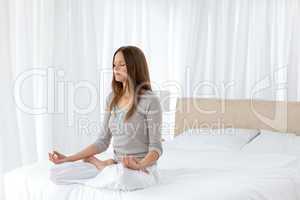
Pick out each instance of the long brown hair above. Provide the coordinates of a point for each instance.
(138, 77)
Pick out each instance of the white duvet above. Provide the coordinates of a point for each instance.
(184, 175)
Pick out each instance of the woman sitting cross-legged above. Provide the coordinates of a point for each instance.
(133, 119)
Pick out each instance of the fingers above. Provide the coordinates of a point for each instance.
(50, 156)
(56, 153)
(132, 159)
(125, 161)
(130, 162)
(55, 158)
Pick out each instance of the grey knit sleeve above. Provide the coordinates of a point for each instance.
(104, 138)
(154, 123)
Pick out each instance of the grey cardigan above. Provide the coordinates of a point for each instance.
(137, 136)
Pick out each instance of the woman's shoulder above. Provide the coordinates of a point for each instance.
(147, 92)
(149, 98)
(109, 97)
(148, 95)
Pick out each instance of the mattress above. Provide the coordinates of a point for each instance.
(184, 174)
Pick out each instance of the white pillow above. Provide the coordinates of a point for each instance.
(228, 139)
(276, 134)
(270, 142)
(294, 146)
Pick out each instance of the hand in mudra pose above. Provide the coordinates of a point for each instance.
(127, 161)
(133, 163)
(59, 158)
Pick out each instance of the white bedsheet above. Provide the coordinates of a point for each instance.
(184, 175)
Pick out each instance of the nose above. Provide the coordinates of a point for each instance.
(118, 73)
(117, 69)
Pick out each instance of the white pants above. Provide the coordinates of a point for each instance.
(113, 177)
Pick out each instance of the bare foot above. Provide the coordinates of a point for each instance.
(110, 162)
(99, 163)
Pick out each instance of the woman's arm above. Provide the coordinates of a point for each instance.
(99, 146)
(58, 158)
(154, 123)
(148, 160)
(155, 150)
(89, 151)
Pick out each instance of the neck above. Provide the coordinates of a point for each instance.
(126, 92)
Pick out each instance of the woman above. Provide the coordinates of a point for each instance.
(133, 119)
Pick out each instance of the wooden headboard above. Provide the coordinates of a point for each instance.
(277, 116)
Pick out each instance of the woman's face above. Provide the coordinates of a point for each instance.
(120, 68)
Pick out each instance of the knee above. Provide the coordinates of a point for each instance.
(54, 174)
(58, 172)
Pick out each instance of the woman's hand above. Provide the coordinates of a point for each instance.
(132, 163)
(57, 158)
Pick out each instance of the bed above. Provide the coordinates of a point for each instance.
(192, 173)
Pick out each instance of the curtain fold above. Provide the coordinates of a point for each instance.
(56, 55)
(236, 49)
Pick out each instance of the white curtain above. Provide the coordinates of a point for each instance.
(236, 49)
(55, 61)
